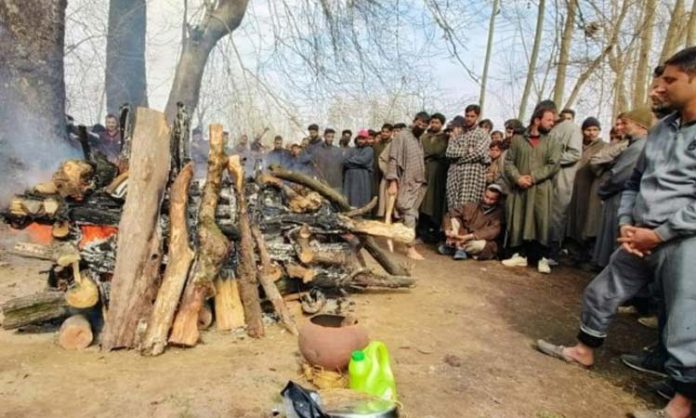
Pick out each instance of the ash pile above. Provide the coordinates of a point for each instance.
(144, 257)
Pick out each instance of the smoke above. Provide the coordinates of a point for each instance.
(31, 148)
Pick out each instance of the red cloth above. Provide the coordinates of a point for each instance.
(535, 141)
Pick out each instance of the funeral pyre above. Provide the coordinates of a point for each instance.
(147, 256)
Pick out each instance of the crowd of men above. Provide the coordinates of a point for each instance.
(528, 194)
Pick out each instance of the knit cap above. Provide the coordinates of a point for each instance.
(642, 116)
(589, 122)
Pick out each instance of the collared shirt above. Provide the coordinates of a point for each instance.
(661, 192)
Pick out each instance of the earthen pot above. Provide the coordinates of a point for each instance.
(329, 340)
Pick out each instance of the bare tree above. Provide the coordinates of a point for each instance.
(489, 50)
(564, 52)
(691, 26)
(126, 81)
(644, 56)
(533, 59)
(220, 19)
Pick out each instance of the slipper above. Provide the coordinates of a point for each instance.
(653, 413)
(556, 351)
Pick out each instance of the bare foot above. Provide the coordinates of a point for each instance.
(678, 407)
(579, 354)
(413, 254)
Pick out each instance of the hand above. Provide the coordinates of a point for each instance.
(639, 241)
(393, 188)
(525, 182)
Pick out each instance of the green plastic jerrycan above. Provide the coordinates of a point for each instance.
(370, 371)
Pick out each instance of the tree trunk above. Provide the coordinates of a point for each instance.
(197, 45)
(643, 65)
(564, 53)
(674, 31)
(691, 26)
(32, 88)
(489, 50)
(180, 258)
(533, 59)
(126, 80)
(134, 284)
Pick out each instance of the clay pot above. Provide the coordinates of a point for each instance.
(329, 340)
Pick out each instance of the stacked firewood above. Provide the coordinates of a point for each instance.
(186, 256)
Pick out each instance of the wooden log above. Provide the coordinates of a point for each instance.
(363, 210)
(205, 317)
(309, 255)
(397, 232)
(33, 309)
(135, 279)
(60, 230)
(213, 247)
(297, 271)
(389, 265)
(229, 312)
(31, 250)
(73, 179)
(185, 332)
(75, 333)
(248, 284)
(180, 258)
(266, 279)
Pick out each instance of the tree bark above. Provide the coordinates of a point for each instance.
(533, 59)
(213, 246)
(134, 284)
(642, 67)
(33, 309)
(197, 46)
(564, 52)
(126, 80)
(75, 333)
(180, 257)
(489, 50)
(248, 284)
(691, 26)
(32, 86)
(674, 30)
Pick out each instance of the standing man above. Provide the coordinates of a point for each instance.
(530, 164)
(585, 210)
(242, 146)
(380, 147)
(568, 114)
(406, 174)
(110, 139)
(636, 124)
(329, 161)
(278, 155)
(658, 242)
(313, 141)
(344, 142)
(358, 172)
(569, 138)
(433, 207)
(468, 157)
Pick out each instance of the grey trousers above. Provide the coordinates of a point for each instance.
(673, 267)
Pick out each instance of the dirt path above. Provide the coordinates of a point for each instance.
(485, 316)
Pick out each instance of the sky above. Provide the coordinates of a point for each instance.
(450, 87)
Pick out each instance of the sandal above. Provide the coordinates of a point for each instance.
(556, 351)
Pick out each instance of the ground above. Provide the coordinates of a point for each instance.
(481, 316)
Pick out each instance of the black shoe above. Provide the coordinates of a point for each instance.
(652, 363)
(663, 388)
